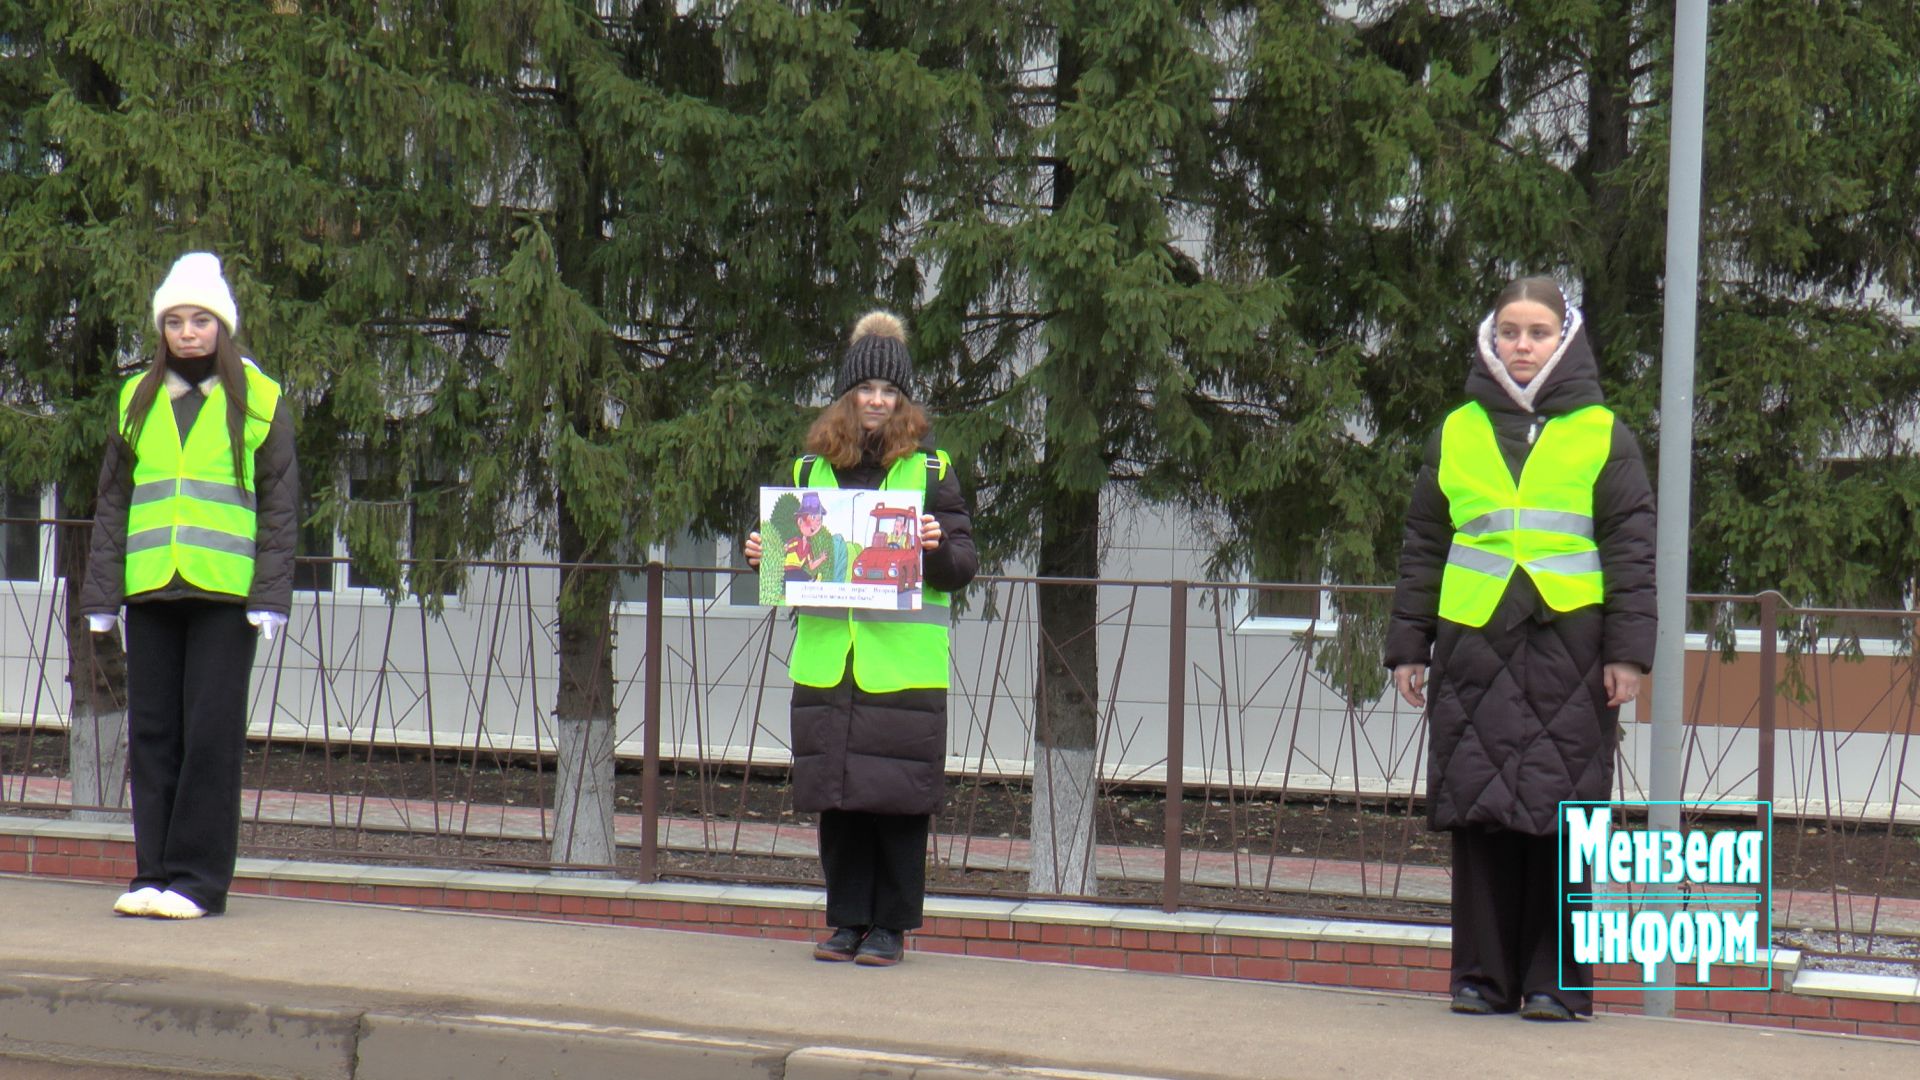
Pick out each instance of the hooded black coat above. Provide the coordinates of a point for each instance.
(883, 753)
(1518, 707)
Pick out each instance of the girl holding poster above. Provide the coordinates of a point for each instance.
(1526, 581)
(869, 686)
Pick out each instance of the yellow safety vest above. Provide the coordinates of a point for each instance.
(188, 514)
(892, 650)
(1543, 524)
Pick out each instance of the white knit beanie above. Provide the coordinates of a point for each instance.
(195, 281)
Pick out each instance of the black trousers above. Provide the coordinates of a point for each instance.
(876, 866)
(1507, 927)
(188, 663)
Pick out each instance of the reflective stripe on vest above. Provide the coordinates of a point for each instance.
(892, 650)
(1544, 523)
(188, 515)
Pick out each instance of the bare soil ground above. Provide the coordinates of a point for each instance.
(1864, 858)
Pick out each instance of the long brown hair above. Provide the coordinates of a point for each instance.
(233, 379)
(837, 436)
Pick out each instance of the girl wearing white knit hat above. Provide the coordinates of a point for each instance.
(194, 530)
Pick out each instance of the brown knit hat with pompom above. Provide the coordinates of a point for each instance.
(878, 351)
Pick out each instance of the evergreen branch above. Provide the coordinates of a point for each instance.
(1568, 52)
(466, 323)
(636, 345)
(1028, 317)
(1010, 159)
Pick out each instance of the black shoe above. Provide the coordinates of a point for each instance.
(842, 945)
(883, 948)
(1469, 1000)
(1544, 1007)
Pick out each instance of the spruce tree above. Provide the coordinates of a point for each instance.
(1807, 454)
(131, 138)
(571, 276)
(1401, 166)
(664, 218)
(1083, 334)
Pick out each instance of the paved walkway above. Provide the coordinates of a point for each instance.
(359, 992)
(1327, 877)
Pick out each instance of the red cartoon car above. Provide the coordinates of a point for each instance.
(894, 556)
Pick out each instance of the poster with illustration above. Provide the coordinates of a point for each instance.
(829, 547)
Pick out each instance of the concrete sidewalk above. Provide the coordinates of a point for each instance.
(292, 988)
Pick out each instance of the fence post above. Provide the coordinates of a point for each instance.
(1769, 693)
(650, 724)
(1176, 742)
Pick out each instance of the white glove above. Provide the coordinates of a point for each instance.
(268, 622)
(102, 624)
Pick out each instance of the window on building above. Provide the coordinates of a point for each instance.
(1882, 596)
(686, 550)
(20, 535)
(316, 541)
(744, 591)
(1298, 604)
(378, 500)
(381, 506)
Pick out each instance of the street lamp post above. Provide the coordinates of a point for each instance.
(1676, 426)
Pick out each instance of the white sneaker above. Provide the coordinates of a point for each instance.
(136, 901)
(171, 905)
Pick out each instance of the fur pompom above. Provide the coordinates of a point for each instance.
(880, 324)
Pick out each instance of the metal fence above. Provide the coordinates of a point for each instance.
(1248, 754)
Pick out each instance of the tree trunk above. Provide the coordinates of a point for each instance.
(97, 709)
(583, 801)
(1066, 709)
(1612, 272)
(96, 665)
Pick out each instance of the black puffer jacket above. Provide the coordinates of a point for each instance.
(883, 753)
(1518, 707)
(276, 482)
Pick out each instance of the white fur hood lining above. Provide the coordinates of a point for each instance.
(1523, 396)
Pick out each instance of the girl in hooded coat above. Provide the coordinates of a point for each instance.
(870, 688)
(194, 529)
(1527, 584)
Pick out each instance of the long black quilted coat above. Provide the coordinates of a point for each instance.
(1518, 707)
(883, 753)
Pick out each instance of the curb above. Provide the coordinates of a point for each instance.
(395, 1047)
(92, 1020)
(110, 1021)
(834, 1063)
